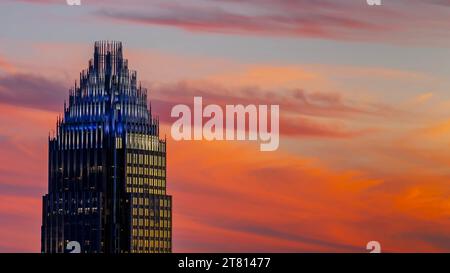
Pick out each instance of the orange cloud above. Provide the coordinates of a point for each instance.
(7, 66)
(269, 77)
(19, 223)
(296, 203)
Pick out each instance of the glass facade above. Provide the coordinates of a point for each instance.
(107, 166)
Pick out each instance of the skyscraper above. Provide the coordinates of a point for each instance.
(107, 166)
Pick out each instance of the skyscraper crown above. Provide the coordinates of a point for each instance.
(108, 91)
(108, 57)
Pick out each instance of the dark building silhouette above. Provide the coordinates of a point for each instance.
(107, 166)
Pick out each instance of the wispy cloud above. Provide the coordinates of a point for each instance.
(32, 91)
(301, 203)
(308, 114)
(325, 19)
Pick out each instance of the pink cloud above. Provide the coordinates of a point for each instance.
(335, 20)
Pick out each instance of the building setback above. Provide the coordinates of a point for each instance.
(107, 166)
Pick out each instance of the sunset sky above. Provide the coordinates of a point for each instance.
(364, 95)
